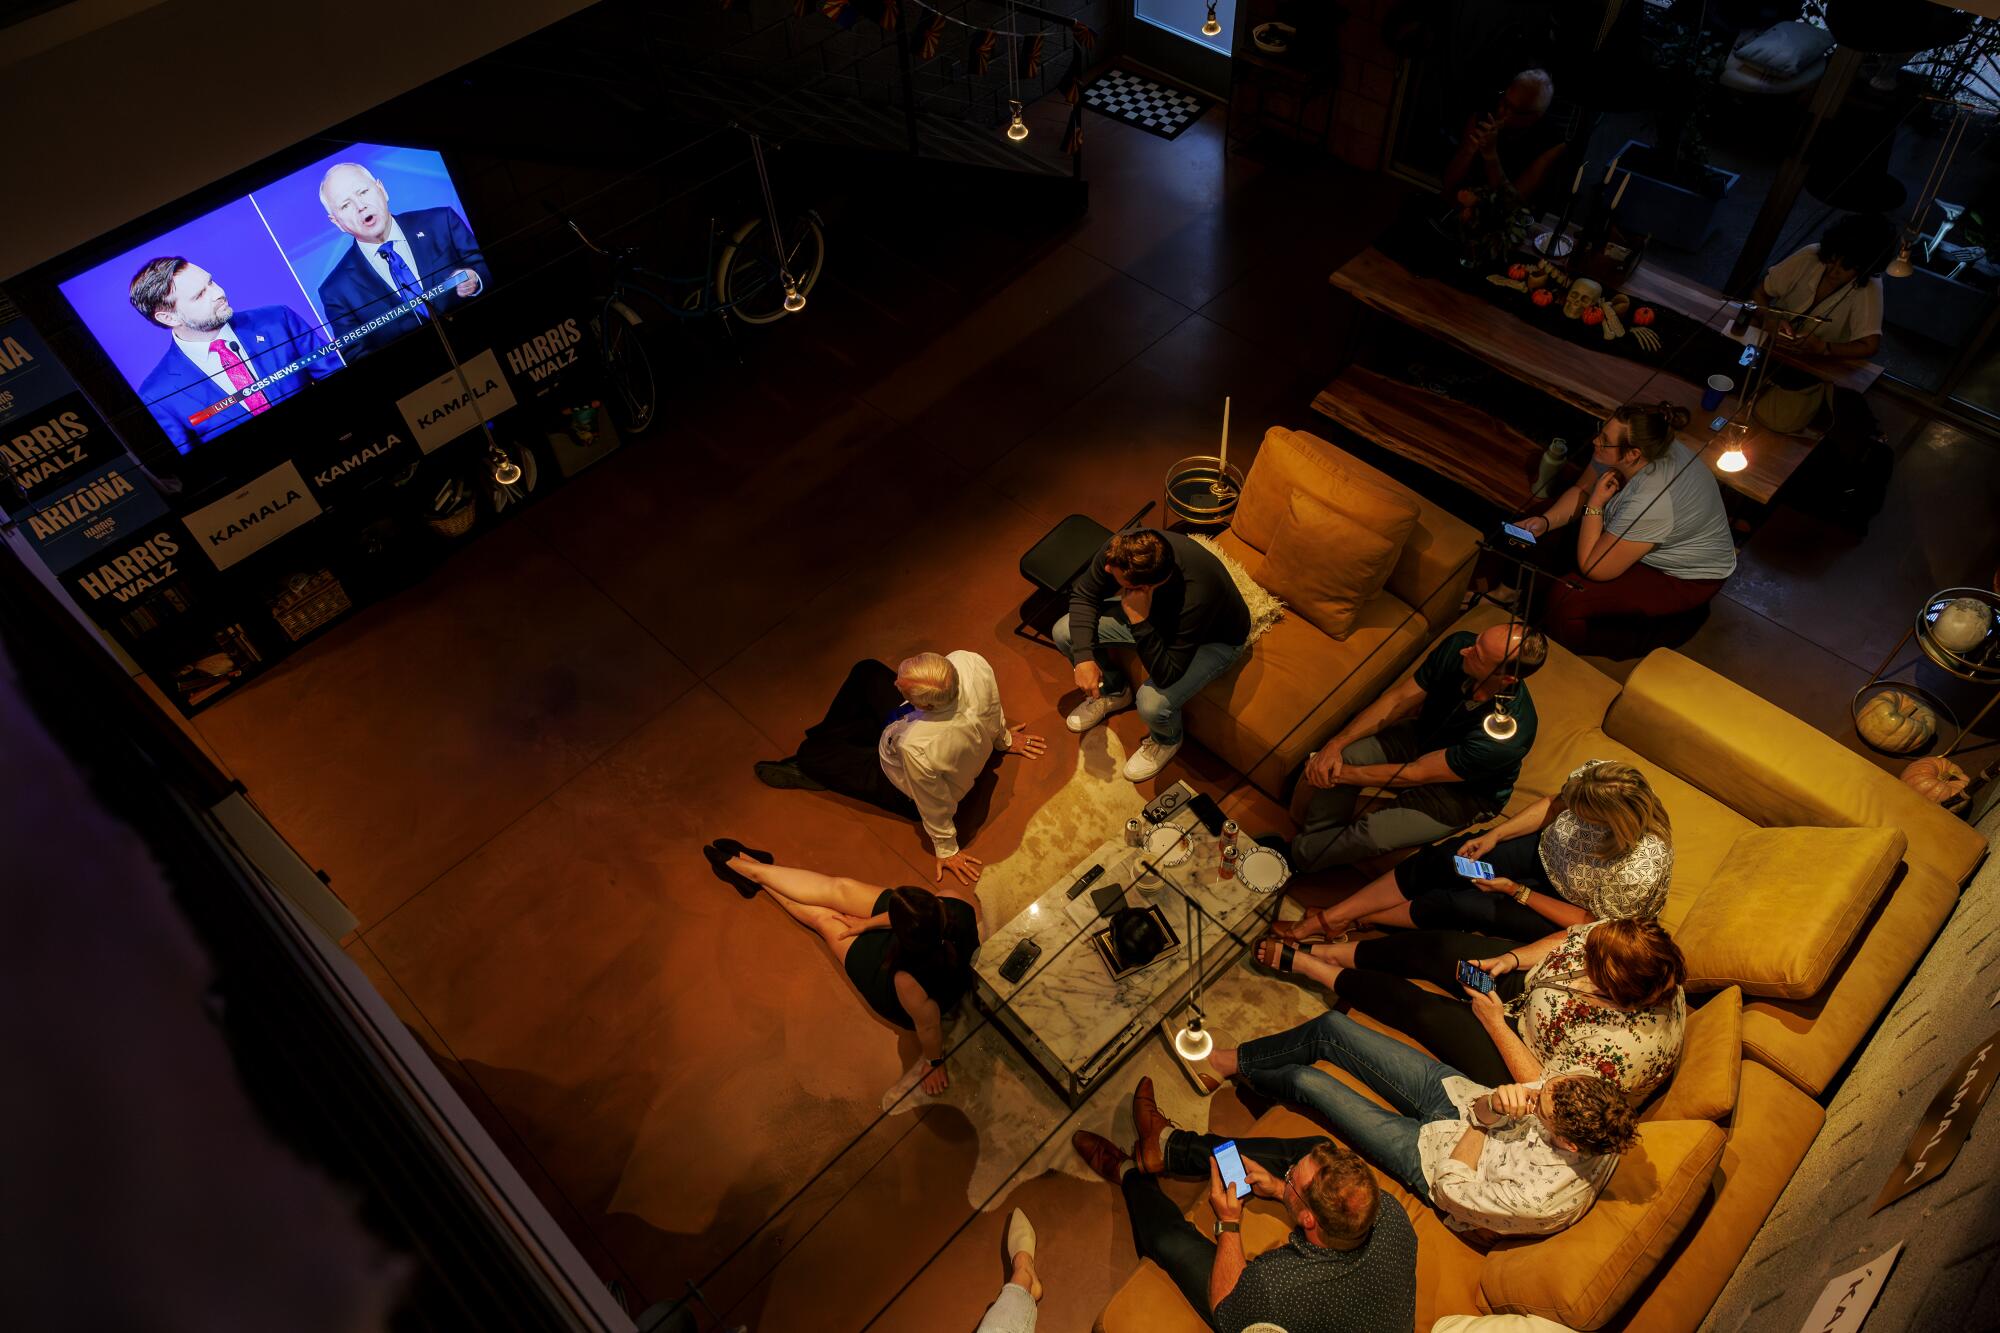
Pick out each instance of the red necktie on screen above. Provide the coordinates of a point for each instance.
(239, 375)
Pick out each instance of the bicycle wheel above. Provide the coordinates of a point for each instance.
(747, 282)
(628, 367)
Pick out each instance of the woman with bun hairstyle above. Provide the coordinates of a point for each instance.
(1652, 538)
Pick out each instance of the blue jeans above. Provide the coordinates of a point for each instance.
(1281, 1066)
(1160, 705)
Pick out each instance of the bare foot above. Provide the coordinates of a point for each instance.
(1271, 953)
(1023, 1275)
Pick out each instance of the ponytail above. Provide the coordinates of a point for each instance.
(1653, 426)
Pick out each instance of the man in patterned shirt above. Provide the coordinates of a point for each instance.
(1349, 1265)
(1525, 1159)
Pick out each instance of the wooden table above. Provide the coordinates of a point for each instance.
(1489, 457)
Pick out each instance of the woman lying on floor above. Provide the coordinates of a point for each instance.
(1601, 849)
(1602, 998)
(907, 950)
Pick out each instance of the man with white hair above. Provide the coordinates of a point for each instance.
(1513, 146)
(912, 741)
(394, 258)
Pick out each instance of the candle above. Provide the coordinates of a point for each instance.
(1577, 184)
(1621, 191)
(1612, 170)
(1222, 471)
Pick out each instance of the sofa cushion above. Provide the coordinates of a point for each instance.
(1328, 560)
(1290, 461)
(1711, 1065)
(1265, 608)
(1582, 1276)
(1784, 907)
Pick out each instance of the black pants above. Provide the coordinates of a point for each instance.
(1159, 1230)
(1445, 1027)
(1442, 899)
(841, 749)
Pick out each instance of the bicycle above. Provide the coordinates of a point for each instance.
(744, 278)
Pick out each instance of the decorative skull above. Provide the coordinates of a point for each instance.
(1584, 294)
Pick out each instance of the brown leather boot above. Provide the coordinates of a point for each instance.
(1146, 1115)
(1103, 1156)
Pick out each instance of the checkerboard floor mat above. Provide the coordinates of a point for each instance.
(1139, 101)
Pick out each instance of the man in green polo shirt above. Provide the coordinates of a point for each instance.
(1424, 742)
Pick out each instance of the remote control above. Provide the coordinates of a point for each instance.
(1018, 962)
(1084, 881)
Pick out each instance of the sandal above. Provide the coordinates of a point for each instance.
(1282, 959)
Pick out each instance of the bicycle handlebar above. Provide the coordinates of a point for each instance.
(588, 244)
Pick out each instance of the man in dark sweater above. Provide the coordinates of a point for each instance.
(1167, 599)
(1349, 1266)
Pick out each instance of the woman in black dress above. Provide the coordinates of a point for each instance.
(907, 950)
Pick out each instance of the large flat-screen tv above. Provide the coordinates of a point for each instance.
(220, 320)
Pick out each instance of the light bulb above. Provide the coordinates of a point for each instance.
(505, 470)
(1017, 129)
(1900, 266)
(795, 300)
(1733, 459)
(1212, 26)
(1499, 724)
(1192, 1042)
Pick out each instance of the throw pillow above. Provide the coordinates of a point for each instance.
(1290, 460)
(1783, 907)
(1783, 49)
(1265, 609)
(1583, 1276)
(1329, 562)
(1711, 1065)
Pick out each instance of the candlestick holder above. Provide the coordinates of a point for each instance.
(1201, 491)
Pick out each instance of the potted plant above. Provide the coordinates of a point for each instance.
(1674, 191)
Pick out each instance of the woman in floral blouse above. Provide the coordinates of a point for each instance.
(1600, 850)
(1603, 997)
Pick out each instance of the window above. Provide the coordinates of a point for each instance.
(1184, 18)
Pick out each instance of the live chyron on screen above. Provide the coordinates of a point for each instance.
(222, 319)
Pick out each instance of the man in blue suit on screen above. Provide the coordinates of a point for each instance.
(395, 257)
(217, 351)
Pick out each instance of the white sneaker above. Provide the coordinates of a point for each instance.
(1093, 711)
(1148, 759)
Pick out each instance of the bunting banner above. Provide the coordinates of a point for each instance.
(1085, 38)
(933, 36)
(979, 53)
(1031, 58)
(1073, 136)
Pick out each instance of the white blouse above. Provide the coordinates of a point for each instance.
(1524, 1184)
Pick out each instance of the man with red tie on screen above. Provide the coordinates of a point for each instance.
(395, 257)
(217, 351)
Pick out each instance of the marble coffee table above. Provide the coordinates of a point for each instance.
(1072, 1018)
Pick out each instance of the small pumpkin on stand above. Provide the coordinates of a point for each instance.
(1896, 723)
(1937, 780)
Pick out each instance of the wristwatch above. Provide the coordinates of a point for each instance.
(1231, 1227)
(1522, 896)
(938, 1063)
(1593, 511)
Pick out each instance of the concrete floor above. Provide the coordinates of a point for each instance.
(509, 771)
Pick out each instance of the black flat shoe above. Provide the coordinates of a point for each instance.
(731, 847)
(786, 775)
(718, 861)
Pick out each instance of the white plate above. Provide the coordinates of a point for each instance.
(1167, 846)
(1263, 870)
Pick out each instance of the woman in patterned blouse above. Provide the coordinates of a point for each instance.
(1601, 850)
(1604, 998)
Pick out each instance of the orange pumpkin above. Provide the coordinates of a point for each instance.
(1593, 316)
(1643, 315)
(1937, 780)
(1517, 271)
(1543, 296)
(1896, 723)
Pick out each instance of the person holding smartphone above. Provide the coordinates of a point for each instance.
(1604, 997)
(1520, 1159)
(1600, 849)
(1348, 1266)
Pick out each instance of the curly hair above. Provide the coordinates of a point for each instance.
(1343, 1194)
(1616, 796)
(1141, 555)
(1592, 1113)
(1633, 964)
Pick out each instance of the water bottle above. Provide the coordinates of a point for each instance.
(1551, 465)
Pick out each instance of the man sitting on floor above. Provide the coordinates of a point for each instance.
(1171, 600)
(1526, 1159)
(1425, 742)
(912, 741)
(1349, 1266)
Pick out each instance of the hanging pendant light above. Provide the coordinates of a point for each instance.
(1018, 129)
(1900, 266)
(1733, 458)
(795, 300)
(505, 470)
(1500, 723)
(1212, 26)
(1193, 1042)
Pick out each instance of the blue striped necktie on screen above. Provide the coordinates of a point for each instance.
(405, 280)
